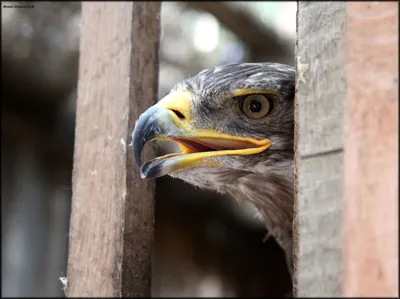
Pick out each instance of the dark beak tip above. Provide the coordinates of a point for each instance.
(146, 128)
(137, 149)
(144, 170)
(151, 170)
(155, 121)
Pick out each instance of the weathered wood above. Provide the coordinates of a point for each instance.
(111, 232)
(371, 155)
(319, 144)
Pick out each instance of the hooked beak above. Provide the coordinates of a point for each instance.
(170, 119)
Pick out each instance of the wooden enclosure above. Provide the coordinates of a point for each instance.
(346, 143)
(347, 149)
(111, 231)
(371, 164)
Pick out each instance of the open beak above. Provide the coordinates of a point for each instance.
(170, 119)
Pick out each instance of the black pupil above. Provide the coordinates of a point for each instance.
(255, 106)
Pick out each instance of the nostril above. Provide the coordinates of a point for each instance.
(179, 114)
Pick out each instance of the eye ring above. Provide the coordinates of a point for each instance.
(256, 106)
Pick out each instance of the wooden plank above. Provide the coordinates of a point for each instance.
(371, 156)
(111, 231)
(319, 144)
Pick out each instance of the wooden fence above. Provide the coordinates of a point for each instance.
(347, 146)
(346, 232)
(111, 231)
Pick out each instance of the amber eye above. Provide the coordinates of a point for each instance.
(256, 106)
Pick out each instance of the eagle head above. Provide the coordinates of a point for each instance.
(234, 124)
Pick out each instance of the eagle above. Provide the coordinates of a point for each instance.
(234, 124)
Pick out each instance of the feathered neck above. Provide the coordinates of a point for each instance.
(273, 195)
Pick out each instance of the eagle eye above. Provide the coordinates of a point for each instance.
(256, 105)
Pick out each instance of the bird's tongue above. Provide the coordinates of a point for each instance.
(203, 144)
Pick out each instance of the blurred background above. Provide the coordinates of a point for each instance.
(206, 245)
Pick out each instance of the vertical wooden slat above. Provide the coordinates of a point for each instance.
(111, 231)
(319, 103)
(139, 214)
(371, 151)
